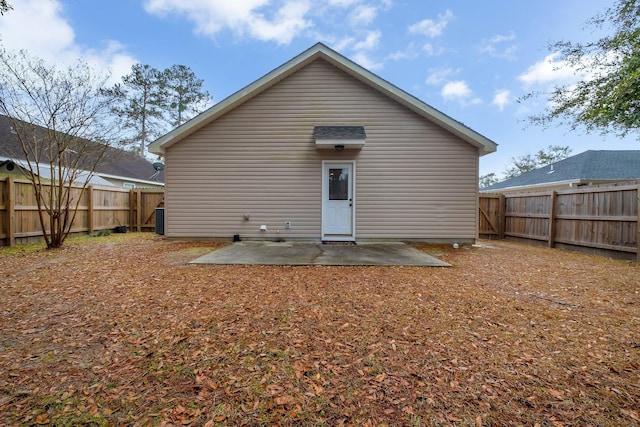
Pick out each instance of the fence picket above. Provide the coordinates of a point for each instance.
(102, 208)
(598, 217)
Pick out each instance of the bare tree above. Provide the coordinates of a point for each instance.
(61, 119)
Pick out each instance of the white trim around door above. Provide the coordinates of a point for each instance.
(338, 200)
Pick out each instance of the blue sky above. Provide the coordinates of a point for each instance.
(470, 59)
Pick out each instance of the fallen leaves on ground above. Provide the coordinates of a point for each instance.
(122, 330)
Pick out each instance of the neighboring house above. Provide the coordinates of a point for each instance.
(20, 169)
(589, 168)
(322, 149)
(119, 168)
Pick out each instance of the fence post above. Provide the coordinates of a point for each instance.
(502, 219)
(552, 219)
(11, 212)
(132, 212)
(138, 211)
(90, 209)
(638, 224)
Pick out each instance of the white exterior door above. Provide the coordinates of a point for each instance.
(338, 201)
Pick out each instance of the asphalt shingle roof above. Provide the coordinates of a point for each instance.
(592, 165)
(117, 162)
(339, 132)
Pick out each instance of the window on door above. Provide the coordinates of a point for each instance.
(339, 184)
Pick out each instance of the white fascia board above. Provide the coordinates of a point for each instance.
(349, 144)
(536, 186)
(129, 179)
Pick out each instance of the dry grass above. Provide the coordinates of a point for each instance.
(120, 330)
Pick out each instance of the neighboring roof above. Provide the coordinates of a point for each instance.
(320, 51)
(590, 166)
(129, 165)
(117, 164)
(339, 132)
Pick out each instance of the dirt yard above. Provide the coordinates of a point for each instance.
(120, 330)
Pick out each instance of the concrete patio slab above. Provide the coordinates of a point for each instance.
(306, 253)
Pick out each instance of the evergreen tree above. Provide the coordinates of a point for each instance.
(184, 96)
(488, 180)
(141, 105)
(151, 102)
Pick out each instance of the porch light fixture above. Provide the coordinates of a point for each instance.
(339, 147)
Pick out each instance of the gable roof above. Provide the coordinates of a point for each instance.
(592, 165)
(118, 164)
(320, 51)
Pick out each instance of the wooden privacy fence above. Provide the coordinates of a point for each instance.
(100, 208)
(591, 219)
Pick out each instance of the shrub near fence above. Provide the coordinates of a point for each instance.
(602, 219)
(100, 208)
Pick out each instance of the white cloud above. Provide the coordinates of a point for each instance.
(431, 28)
(363, 50)
(209, 17)
(548, 70)
(371, 42)
(364, 59)
(495, 46)
(502, 98)
(432, 50)
(438, 76)
(364, 15)
(343, 3)
(408, 53)
(39, 26)
(458, 89)
(113, 57)
(287, 19)
(499, 38)
(343, 44)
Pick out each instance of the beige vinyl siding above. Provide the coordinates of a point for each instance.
(414, 180)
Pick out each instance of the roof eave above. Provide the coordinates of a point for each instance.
(129, 179)
(535, 186)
